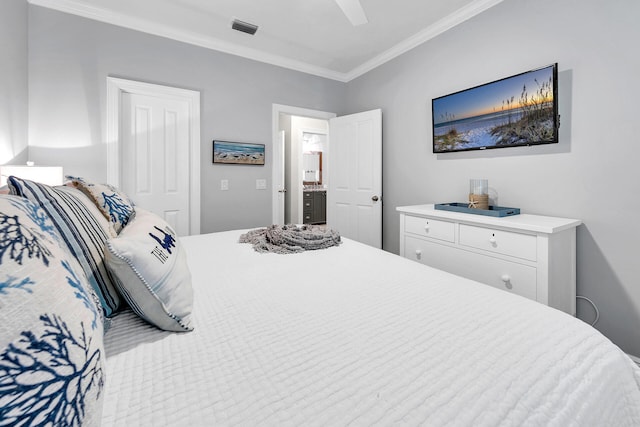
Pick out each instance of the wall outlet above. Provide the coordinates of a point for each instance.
(224, 184)
(261, 184)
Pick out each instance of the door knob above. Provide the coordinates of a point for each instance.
(375, 198)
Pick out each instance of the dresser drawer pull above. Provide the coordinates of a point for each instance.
(426, 227)
(507, 281)
(418, 253)
(492, 240)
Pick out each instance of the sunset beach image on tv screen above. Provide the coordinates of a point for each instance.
(518, 110)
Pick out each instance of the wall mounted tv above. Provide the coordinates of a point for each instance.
(514, 111)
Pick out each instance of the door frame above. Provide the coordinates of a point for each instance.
(115, 89)
(278, 109)
(299, 185)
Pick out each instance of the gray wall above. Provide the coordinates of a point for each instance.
(70, 58)
(13, 82)
(592, 174)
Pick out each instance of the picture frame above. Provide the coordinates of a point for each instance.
(238, 153)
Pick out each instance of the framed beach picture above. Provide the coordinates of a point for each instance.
(238, 153)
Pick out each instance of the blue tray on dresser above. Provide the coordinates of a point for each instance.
(498, 211)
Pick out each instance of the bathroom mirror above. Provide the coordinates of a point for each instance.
(313, 144)
(312, 168)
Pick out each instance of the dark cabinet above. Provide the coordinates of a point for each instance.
(320, 207)
(314, 207)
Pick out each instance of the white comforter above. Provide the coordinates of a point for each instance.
(355, 336)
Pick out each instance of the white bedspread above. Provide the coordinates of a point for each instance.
(355, 336)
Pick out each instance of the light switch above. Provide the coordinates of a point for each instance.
(224, 184)
(261, 184)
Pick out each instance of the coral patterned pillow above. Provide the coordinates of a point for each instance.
(114, 204)
(52, 358)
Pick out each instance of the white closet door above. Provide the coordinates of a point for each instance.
(155, 156)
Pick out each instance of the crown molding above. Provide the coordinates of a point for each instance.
(463, 14)
(98, 14)
(121, 20)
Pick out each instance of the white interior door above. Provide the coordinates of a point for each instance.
(354, 200)
(155, 156)
(124, 141)
(279, 184)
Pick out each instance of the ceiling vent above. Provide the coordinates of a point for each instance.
(245, 27)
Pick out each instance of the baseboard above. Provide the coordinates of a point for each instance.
(635, 359)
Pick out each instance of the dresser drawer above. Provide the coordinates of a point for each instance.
(431, 253)
(503, 242)
(427, 227)
(506, 275)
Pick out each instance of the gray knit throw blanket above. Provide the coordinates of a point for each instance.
(288, 239)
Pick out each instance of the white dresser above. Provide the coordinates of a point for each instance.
(530, 255)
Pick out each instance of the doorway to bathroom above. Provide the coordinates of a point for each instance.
(305, 143)
(351, 175)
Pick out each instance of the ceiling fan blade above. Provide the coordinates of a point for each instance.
(354, 11)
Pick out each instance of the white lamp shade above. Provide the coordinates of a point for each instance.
(50, 175)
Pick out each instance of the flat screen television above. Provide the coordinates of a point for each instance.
(514, 111)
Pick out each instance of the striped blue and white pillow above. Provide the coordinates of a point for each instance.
(83, 228)
(52, 361)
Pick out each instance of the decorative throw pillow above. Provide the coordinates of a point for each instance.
(83, 228)
(52, 361)
(114, 204)
(151, 271)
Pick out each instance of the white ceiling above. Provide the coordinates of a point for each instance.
(312, 36)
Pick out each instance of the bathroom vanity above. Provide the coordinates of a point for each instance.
(314, 206)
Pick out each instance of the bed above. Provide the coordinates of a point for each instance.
(352, 335)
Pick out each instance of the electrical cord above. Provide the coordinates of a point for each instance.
(594, 307)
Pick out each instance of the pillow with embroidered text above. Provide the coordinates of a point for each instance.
(52, 361)
(151, 272)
